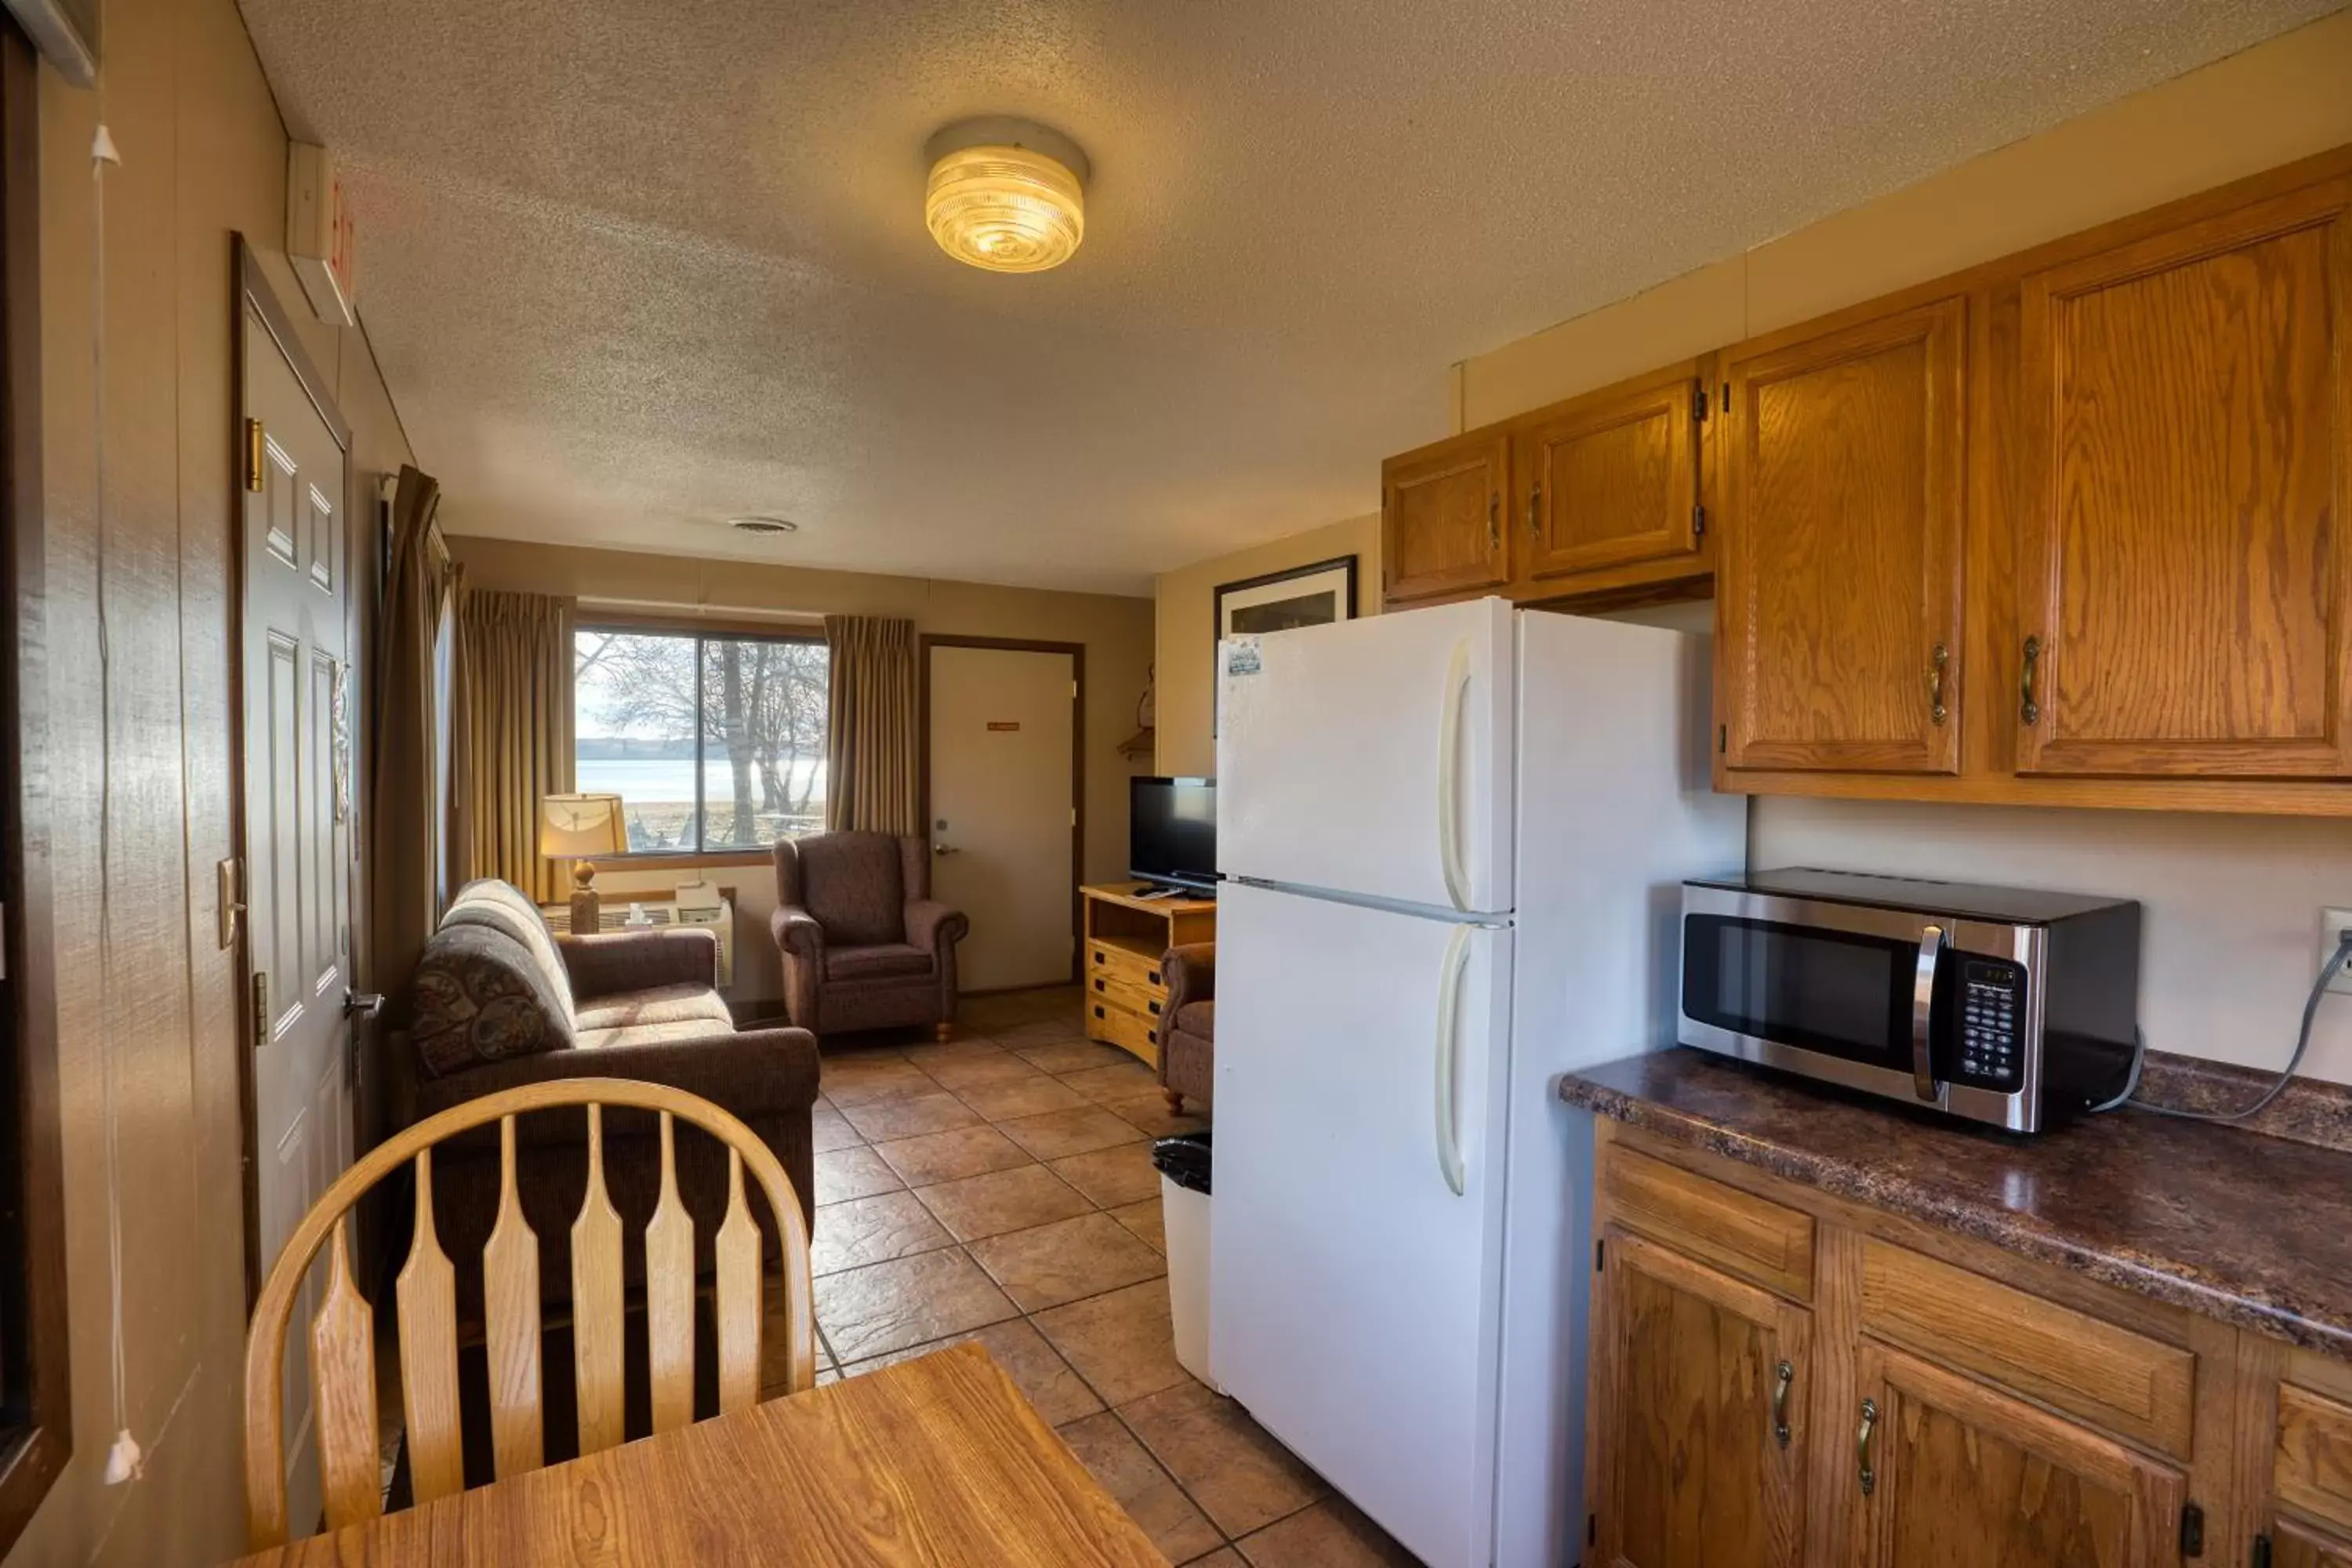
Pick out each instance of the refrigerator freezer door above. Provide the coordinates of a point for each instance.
(1372, 757)
(1353, 1290)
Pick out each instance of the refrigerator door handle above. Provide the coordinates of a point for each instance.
(1449, 779)
(1449, 1032)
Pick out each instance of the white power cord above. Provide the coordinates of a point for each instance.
(125, 1462)
(2327, 973)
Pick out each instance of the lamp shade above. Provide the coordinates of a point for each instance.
(576, 827)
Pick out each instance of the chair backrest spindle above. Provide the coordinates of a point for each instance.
(670, 1295)
(596, 1303)
(426, 1296)
(342, 1381)
(510, 1324)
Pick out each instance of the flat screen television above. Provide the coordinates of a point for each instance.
(1171, 835)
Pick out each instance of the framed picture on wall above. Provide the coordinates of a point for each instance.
(1313, 596)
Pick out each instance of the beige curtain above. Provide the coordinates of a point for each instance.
(514, 732)
(409, 779)
(872, 753)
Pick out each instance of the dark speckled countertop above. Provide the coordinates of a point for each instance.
(2251, 1229)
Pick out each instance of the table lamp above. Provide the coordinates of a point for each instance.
(573, 827)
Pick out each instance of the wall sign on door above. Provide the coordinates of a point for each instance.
(1004, 725)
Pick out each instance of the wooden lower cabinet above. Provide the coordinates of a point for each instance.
(1958, 1474)
(2293, 1546)
(2307, 1502)
(1787, 1378)
(1706, 1464)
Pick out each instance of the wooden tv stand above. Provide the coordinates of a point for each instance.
(1126, 935)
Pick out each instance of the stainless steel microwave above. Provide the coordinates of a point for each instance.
(2007, 1006)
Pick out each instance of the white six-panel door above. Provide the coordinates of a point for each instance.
(296, 834)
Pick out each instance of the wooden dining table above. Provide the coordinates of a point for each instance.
(935, 1460)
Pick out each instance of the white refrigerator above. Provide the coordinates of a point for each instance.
(1453, 842)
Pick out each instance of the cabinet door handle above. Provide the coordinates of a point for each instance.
(1862, 1446)
(1494, 521)
(1937, 663)
(1535, 514)
(1783, 1376)
(2028, 710)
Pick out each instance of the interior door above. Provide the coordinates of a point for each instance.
(1964, 1477)
(1373, 757)
(1004, 726)
(2184, 574)
(1700, 1383)
(1839, 584)
(1355, 1300)
(297, 821)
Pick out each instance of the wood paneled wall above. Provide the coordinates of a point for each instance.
(148, 1017)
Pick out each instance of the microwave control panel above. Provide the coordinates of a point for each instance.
(1992, 1014)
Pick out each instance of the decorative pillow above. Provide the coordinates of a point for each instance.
(487, 901)
(479, 998)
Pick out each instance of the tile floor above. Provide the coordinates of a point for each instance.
(1000, 1188)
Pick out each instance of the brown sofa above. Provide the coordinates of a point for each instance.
(1188, 1055)
(864, 944)
(500, 1000)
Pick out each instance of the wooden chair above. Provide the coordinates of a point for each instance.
(342, 1335)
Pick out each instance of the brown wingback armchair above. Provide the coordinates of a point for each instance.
(865, 945)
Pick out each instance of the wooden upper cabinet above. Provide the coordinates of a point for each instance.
(1838, 587)
(1963, 1476)
(1697, 1377)
(1610, 480)
(1441, 518)
(2184, 592)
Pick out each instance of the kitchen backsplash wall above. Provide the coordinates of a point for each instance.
(2230, 938)
(2231, 941)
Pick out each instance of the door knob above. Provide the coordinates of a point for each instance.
(945, 849)
(363, 1003)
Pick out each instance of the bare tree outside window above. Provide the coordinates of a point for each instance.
(712, 741)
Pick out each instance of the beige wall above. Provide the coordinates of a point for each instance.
(203, 155)
(2281, 101)
(1185, 639)
(2231, 903)
(1115, 631)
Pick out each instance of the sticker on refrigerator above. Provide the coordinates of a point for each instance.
(1241, 656)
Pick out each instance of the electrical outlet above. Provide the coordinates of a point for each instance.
(2332, 926)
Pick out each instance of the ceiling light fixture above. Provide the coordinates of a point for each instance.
(1005, 196)
(764, 525)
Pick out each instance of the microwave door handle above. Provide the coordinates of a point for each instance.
(1923, 1012)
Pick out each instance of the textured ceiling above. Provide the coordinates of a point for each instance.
(633, 266)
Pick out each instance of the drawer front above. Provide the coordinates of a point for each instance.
(1106, 960)
(1149, 1000)
(1743, 1235)
(2131, 1385)
(2314, 1458)
(1128, 1030)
